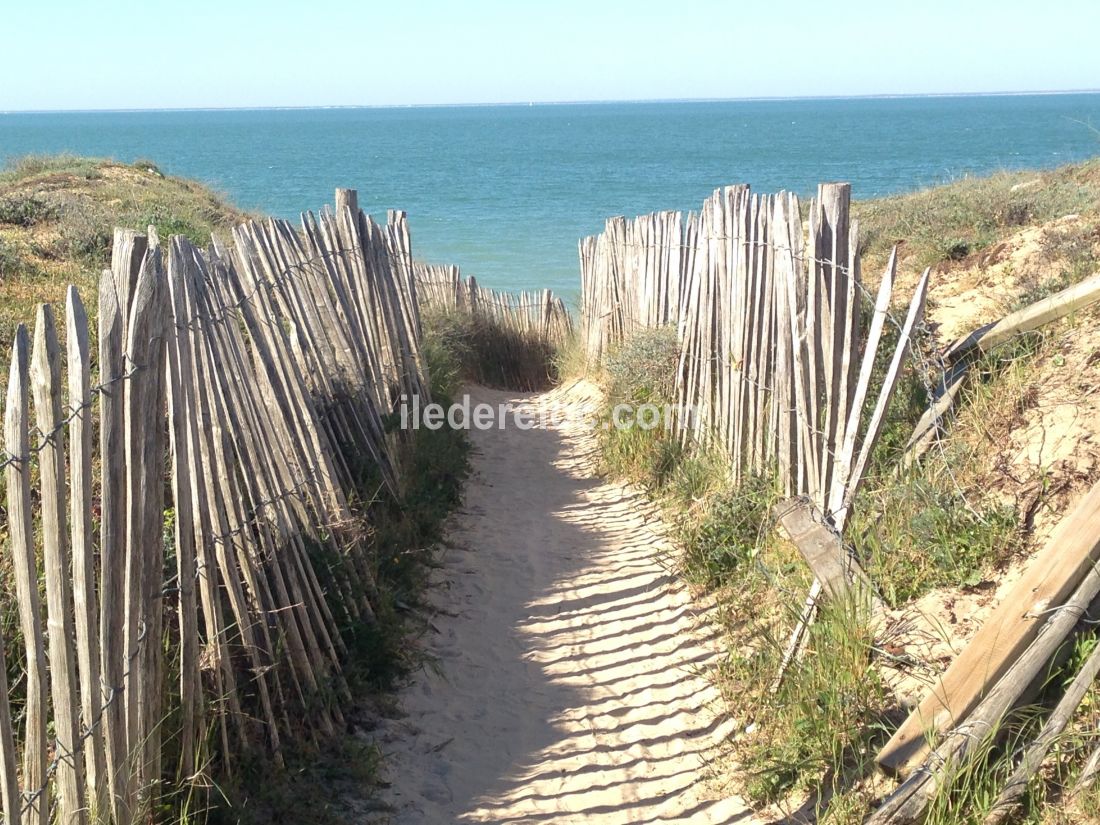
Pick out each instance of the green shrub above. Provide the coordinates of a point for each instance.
(87, 239)
(921, 533)
(25, 210)
(643, 369)
(10, 260)
(726, 536)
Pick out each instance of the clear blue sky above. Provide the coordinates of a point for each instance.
(95, 54)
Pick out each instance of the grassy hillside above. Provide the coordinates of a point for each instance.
(943, 225)
(57, 215)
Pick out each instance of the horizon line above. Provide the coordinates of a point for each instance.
(532, 103)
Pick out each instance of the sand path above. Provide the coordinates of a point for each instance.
(570, 681)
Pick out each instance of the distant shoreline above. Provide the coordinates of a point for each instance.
(525, 104)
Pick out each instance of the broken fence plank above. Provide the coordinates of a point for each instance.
(1056, 306)
(909, 803)
(1071, 551)
(822, 549)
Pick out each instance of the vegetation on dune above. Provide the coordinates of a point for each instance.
(493, 354)
(58, 214)
(948, 223)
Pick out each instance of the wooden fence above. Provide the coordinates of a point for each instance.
(541, 315)
(776, 365)
(776, 368)
(197, 586)
(511, 338)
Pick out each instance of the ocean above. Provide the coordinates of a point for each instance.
(506, 191)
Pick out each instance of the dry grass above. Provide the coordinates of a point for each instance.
(955, 221)
(57, 216)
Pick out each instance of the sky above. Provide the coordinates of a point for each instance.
(111, 54)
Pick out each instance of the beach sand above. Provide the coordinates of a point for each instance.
(570, 676)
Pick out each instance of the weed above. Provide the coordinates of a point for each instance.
(819, 732)
(11, 262)
(488, 353)
(642, 370)
(920, 533)
(25, 210)
(32, 166)
(728, 532)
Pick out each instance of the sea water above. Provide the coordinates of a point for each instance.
(506, 191)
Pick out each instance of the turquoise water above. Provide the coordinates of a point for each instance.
(506, 191)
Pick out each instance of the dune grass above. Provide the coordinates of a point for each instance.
(948, 223)
(57, 216)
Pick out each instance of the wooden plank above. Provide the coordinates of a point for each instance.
(83, 549)
(347, 199)
(913, 318)
(155, 447)
(831, 250)
(65, 693)
(140, 411)
(1056, 306)
(1036, 752)
(112, 525)
(843, 462)
(20, 530)
(823, 551)
(1071, 551)
(970, 738)
(190, 685)
(1042, 312)
(10, 797)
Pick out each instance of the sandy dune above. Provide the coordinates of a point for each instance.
(570, 683)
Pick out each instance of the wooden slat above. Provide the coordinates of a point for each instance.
(20, 530)
(823, 550)
(83, 551)
(981, 728)
(46, 388)
(1071, 551)
(112, 526)
(10, 799)
(190, 685)
(1056, 306)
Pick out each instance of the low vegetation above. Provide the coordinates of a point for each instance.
(58, 213)
(493, 354)
(952, 222)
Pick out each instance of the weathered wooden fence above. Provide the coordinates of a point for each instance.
(512, 338)
(776, 365)
(196, 592)
(540, 315)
